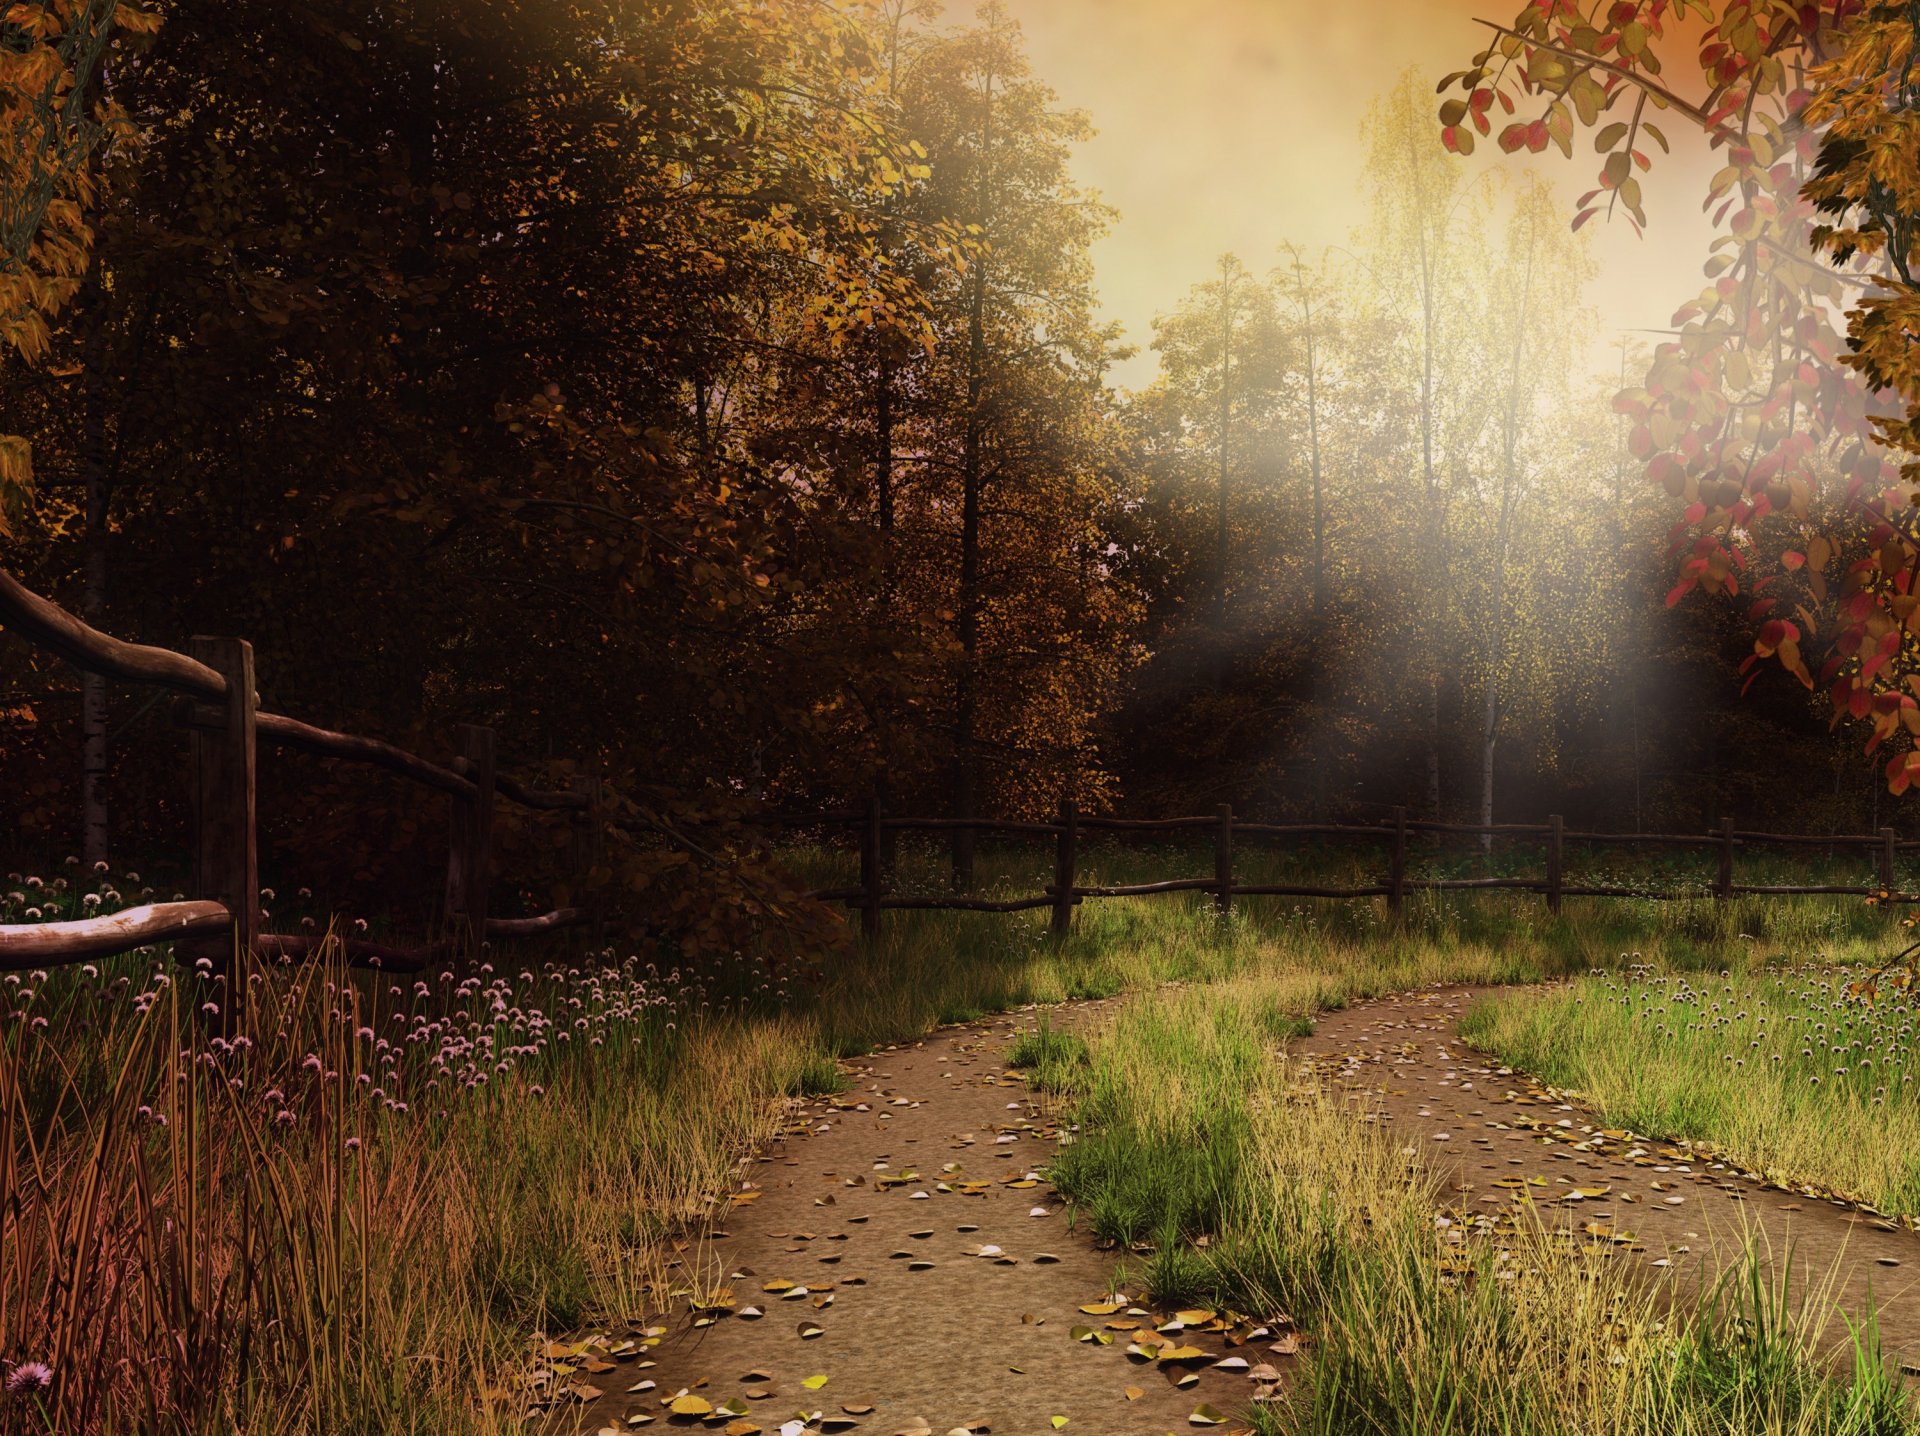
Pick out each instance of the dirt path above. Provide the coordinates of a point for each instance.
(940, 1274)
(944, 1294)
(1485, 1126)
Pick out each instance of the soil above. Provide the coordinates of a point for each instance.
(932, 1338)
(946, 1280)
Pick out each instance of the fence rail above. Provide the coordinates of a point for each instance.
(871, 896)
(218, 707)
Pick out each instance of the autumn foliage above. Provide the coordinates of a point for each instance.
(1772, 423)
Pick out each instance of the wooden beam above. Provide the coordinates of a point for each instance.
(1065, 858)
(873, 881)
(470, 844)
(226, 856)
(45, 623)
(26, 946)
(1223, 860)
(1397, 862)
(283, 732)
(1556, 862)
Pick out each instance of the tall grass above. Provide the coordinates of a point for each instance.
(354, 1217)
(358, 1219)
(1240, 1184)
(1784, 1072)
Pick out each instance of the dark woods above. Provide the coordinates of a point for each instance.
(712, 398)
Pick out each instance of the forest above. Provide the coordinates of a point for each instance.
(717, 405)
(745, 382)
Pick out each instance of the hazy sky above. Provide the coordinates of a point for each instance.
(1235, 124)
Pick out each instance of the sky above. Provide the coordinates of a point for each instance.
(1235, 125)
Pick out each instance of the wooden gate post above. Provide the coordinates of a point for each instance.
(873, 877)
(470, 844)
(1556, 829)
(1064, 855)
(226, 853)
(1723, 888)
(1223, 861)
(1397, 862)
(1887, 839)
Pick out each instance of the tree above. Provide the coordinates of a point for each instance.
(462, 309)
(1866, 182)
(1005, 432)
(1537, 282)
(1415, 250)
(1746, 418)
(55, 115)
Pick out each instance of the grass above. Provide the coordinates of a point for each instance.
(1053, 1060)
(1277, 1202)
(1785, 1072)
(361, 1221)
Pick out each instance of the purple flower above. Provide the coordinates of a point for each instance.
(29, 1378)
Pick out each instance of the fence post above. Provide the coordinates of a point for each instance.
(1887, 839)
(587, 784)
(226, 854)
(873, 879)
(1556, 868)
(1397, 862)
(470, 844)
(1223, 861)
(1063, 865)
(1723, 888)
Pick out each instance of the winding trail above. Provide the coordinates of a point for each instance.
(1486, 1128)
(946, 1295)
(877, 1202)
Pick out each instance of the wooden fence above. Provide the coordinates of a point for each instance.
(1064, 893)
(219, 707)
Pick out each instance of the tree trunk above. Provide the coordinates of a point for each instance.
(883, 502)
(1497, 637)
(95, 463)
(1222, 540)
(1436, 520)
(966, 697)
(1320, 757)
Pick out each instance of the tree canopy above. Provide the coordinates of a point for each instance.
(715, 399)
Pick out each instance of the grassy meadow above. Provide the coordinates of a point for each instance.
(358, 1218)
